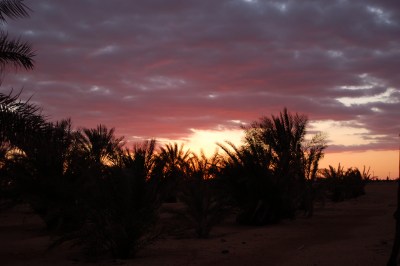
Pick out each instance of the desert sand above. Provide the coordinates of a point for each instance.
(355, 232)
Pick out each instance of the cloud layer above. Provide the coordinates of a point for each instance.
(155, 68)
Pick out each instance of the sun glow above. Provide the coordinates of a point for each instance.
(206, 140)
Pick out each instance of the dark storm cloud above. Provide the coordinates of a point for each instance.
(159, 68)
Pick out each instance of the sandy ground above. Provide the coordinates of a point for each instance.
(355, 232)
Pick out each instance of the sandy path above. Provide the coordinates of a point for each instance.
(356, 232)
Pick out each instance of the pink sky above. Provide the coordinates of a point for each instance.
(169, 69)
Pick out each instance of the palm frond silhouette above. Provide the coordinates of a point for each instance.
(14, 51)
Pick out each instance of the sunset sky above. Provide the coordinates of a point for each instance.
(195, 71)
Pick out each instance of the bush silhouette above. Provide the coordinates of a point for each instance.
(342, 185)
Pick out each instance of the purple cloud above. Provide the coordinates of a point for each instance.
(159, 68)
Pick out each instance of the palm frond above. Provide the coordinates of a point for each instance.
(19, 119)
(13, 9)
(18, 53)
(234, 155)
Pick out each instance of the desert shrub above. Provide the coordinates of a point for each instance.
(342, 185)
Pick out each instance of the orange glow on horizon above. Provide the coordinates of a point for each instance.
(382, 164)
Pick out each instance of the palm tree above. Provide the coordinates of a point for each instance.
(173, 156)
(247, 173)
(15, 52)
(283, 137)
(120, 201)
(141, 159)
(100, 146)
(169, 169)
(269, 172)
(21, 127)
(313, 153)
(52, 189)
(14, 114)
(204, 205)
(18, 120)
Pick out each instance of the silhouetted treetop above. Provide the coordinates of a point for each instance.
(14, 51)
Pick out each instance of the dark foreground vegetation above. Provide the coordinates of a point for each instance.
(92, 190)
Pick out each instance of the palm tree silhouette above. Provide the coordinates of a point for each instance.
(14, 51)
(141, 158)
(313, 153)
(169, 169)
(19, 120)
(12, 9)
(204, 205)
(247, 173)
(284, 136)
(268, 174)
(100, 146)
(173, 156)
